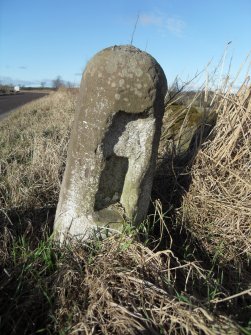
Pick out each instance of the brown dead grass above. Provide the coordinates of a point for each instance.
(125, 288)
(217, 207)
(33, 145)
(115, 286)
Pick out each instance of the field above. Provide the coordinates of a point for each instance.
(185, 270)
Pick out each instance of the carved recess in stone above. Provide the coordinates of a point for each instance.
(113, 145)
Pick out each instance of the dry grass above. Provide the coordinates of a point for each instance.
(217, 207)
(33, 145)
(115, 286)
(125, 288)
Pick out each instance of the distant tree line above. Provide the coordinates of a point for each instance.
(6, 89)
(59, 82)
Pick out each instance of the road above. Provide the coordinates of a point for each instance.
(10, 102)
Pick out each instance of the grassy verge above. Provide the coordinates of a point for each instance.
(135, 283)
(113, 286)
(218, 203)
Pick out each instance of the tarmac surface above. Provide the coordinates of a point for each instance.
(12, 101)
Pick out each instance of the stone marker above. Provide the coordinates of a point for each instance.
(113, 145)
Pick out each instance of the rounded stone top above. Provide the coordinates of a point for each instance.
(124, 77)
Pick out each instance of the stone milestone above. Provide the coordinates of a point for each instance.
(113, 145)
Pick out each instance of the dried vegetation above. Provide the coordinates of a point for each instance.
(135, 283)
(217, 208)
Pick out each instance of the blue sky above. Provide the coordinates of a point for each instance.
(41, 39)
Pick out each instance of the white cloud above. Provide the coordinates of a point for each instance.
(151, 19)
(175, 26)
(164, 22)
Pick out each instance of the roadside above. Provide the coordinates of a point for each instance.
(10, 102)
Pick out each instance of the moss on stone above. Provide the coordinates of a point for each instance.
(180, 123)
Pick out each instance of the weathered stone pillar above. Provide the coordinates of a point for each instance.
(114, 142)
